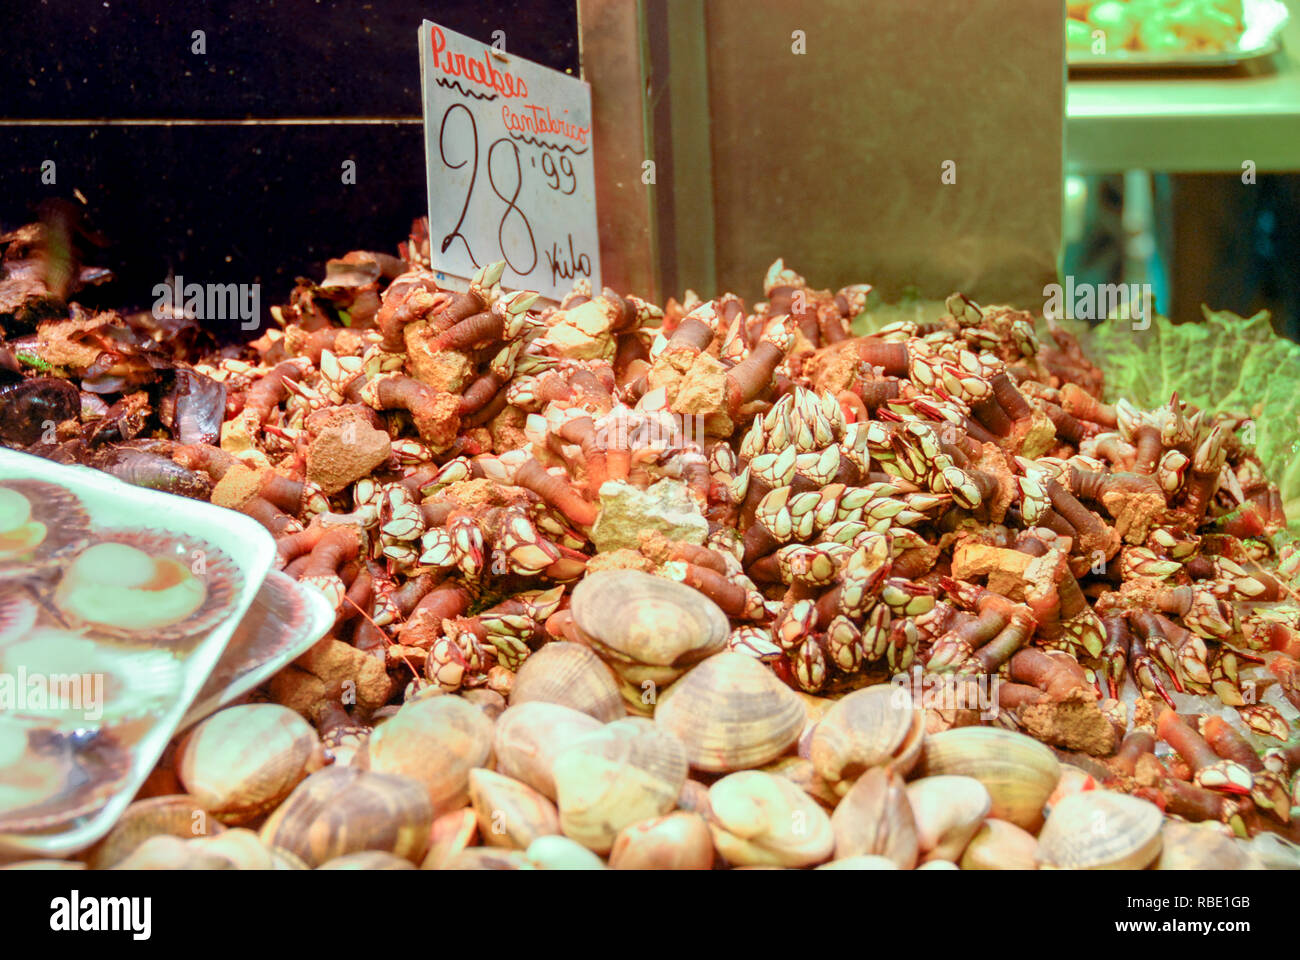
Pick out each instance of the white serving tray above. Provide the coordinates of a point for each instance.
(284, 622)
(115, 505)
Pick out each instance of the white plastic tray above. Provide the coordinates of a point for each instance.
(113, 504)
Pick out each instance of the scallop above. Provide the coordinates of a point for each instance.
(50, 777)
(242, 761)
(102, 685)
(40, 523)
(436, 742)
(572, 675)
(510, 813)
(528, 737)
(1101, 830)
(1018, 771)
(873, 727)
(149, 587)
(634, 618)
(342, 810)
(763, 820)
(732, 713)
(627, 771)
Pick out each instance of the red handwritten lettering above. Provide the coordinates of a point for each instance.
(484, 73)
(539, 120)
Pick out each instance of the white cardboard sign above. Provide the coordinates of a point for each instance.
(508, 156)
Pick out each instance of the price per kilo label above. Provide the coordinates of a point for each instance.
(509, 163)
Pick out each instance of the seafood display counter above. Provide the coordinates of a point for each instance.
(804, 582)
(868, 568)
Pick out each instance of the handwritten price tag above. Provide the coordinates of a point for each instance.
(510, 172)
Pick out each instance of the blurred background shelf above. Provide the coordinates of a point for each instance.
(1190, 121)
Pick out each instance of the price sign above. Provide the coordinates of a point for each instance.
(509, 163)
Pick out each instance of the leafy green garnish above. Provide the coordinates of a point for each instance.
(1228, 363)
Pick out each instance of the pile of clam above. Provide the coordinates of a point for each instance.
(697, 550)
(731, 768)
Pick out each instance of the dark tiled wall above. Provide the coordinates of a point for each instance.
(247, 202)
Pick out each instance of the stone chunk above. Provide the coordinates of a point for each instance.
(626, 511)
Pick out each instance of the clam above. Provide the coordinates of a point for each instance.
(450, 834)
(40, 523)
(1018, 771)
(489, 701)
(368, 860)
(627, 771)
(528, 737)
(148, 587)
(510, 813)
(175, 815)
(44, 865)
(342, 810)
(572, 675)
(763, 820)
(694, 798)
(557, 852)
(1101, 830)
(863, 862)
(489, 858)
(678, 841)
(649, 629)
(732, 713)
(165, 852)
(948, 811)
(800, 772)
(938, 865)
(242, 847)
(1000, 845)
(242, 761)
(868, 728)
(875, 819)
(436, 742)
(1191, 846)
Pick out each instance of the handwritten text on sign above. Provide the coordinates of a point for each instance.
(510, 173)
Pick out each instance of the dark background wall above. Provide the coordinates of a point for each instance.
(247, 187)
